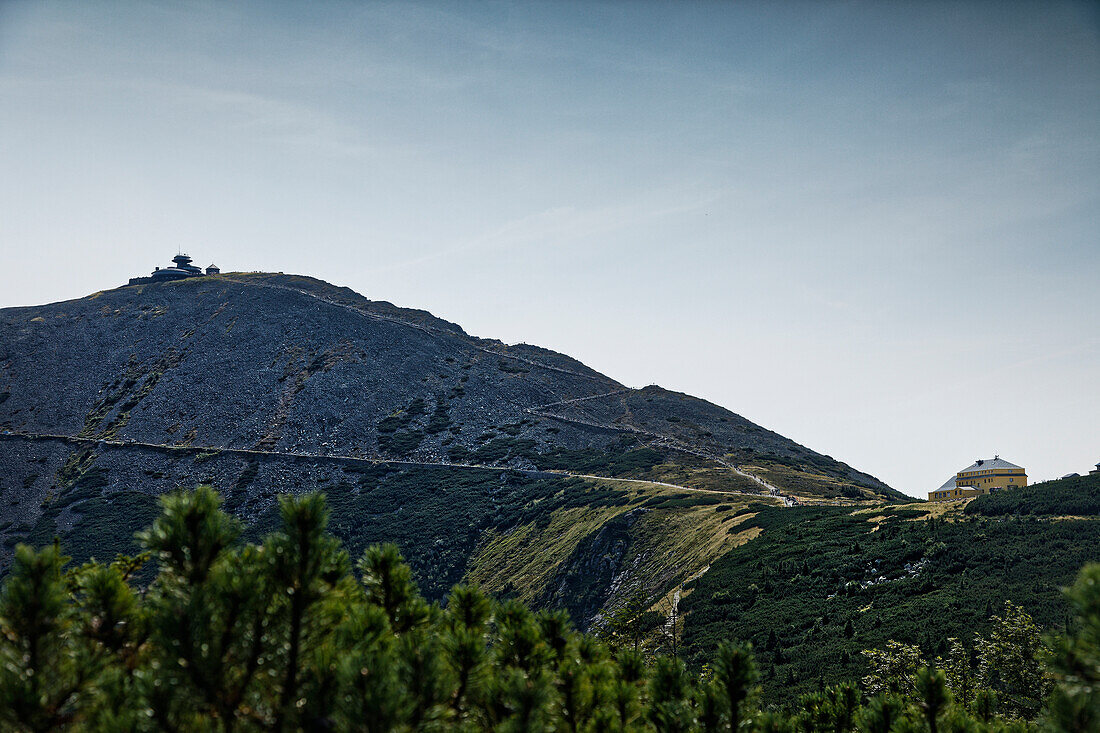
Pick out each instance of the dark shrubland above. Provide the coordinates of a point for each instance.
(1074, 496)
(287, 634)
(821, 584)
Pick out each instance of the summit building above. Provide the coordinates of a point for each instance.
(181, 268)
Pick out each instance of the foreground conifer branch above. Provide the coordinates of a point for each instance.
(283, 635)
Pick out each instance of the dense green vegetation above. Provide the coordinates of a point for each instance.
(283, 634)
(821, 584)
(437, 515)
(107, 525)
(625, 458)
(394, 435)
(1075, 496)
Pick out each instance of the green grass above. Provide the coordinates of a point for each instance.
(75, 465)
(206, 455)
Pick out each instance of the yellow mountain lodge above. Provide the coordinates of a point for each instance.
(981, 477)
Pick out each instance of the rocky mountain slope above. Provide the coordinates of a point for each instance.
(510, 464)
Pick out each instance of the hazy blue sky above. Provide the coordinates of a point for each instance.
(872, 227)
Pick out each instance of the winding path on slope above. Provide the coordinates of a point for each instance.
(656, 438)
(343, 458)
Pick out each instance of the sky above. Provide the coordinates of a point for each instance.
(871, 227)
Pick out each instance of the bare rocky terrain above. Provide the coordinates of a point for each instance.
(261, 384)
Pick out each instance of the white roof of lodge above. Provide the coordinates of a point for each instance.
(986, 465)
(948, 484)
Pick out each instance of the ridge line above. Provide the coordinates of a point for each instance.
(431, 330)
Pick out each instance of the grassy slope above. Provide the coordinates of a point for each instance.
(807, 482)
(815, 569)
(513, 533)
(521, 562)
(589, 559)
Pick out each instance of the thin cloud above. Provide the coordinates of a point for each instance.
(560, 226)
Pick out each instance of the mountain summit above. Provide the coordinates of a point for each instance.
(417, 431)
(292, 364)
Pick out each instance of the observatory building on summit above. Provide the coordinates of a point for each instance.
(181, 268)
